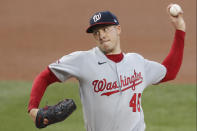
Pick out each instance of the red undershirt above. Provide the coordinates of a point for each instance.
(172, 63)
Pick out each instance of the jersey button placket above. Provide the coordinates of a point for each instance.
(118, 77)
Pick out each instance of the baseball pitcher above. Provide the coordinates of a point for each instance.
(111, 81)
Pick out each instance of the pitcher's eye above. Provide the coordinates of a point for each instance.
(106, 29)
(96, 33)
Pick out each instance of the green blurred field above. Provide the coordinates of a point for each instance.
(166, 107)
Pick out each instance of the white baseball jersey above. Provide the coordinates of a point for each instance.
(110, 92)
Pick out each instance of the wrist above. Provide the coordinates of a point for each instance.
(181, 26)
(33, 112)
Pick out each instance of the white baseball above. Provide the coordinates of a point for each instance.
(175, 9)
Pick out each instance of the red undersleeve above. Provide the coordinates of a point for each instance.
(174, 59)
(41, 82)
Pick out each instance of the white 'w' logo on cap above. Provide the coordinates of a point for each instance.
(97, 17)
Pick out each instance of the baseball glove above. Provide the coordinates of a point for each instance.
(55, 113)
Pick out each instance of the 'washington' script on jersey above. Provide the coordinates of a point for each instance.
(110, 88)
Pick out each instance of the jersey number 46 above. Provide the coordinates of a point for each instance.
(135, 102)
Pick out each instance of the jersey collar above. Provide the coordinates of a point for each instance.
(110, 58)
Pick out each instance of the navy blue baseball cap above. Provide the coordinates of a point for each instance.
(102, 18)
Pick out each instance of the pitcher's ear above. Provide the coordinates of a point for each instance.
(119, 29)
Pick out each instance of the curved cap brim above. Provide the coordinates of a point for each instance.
(92, 27)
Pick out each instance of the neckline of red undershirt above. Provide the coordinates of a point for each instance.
(115, 57)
